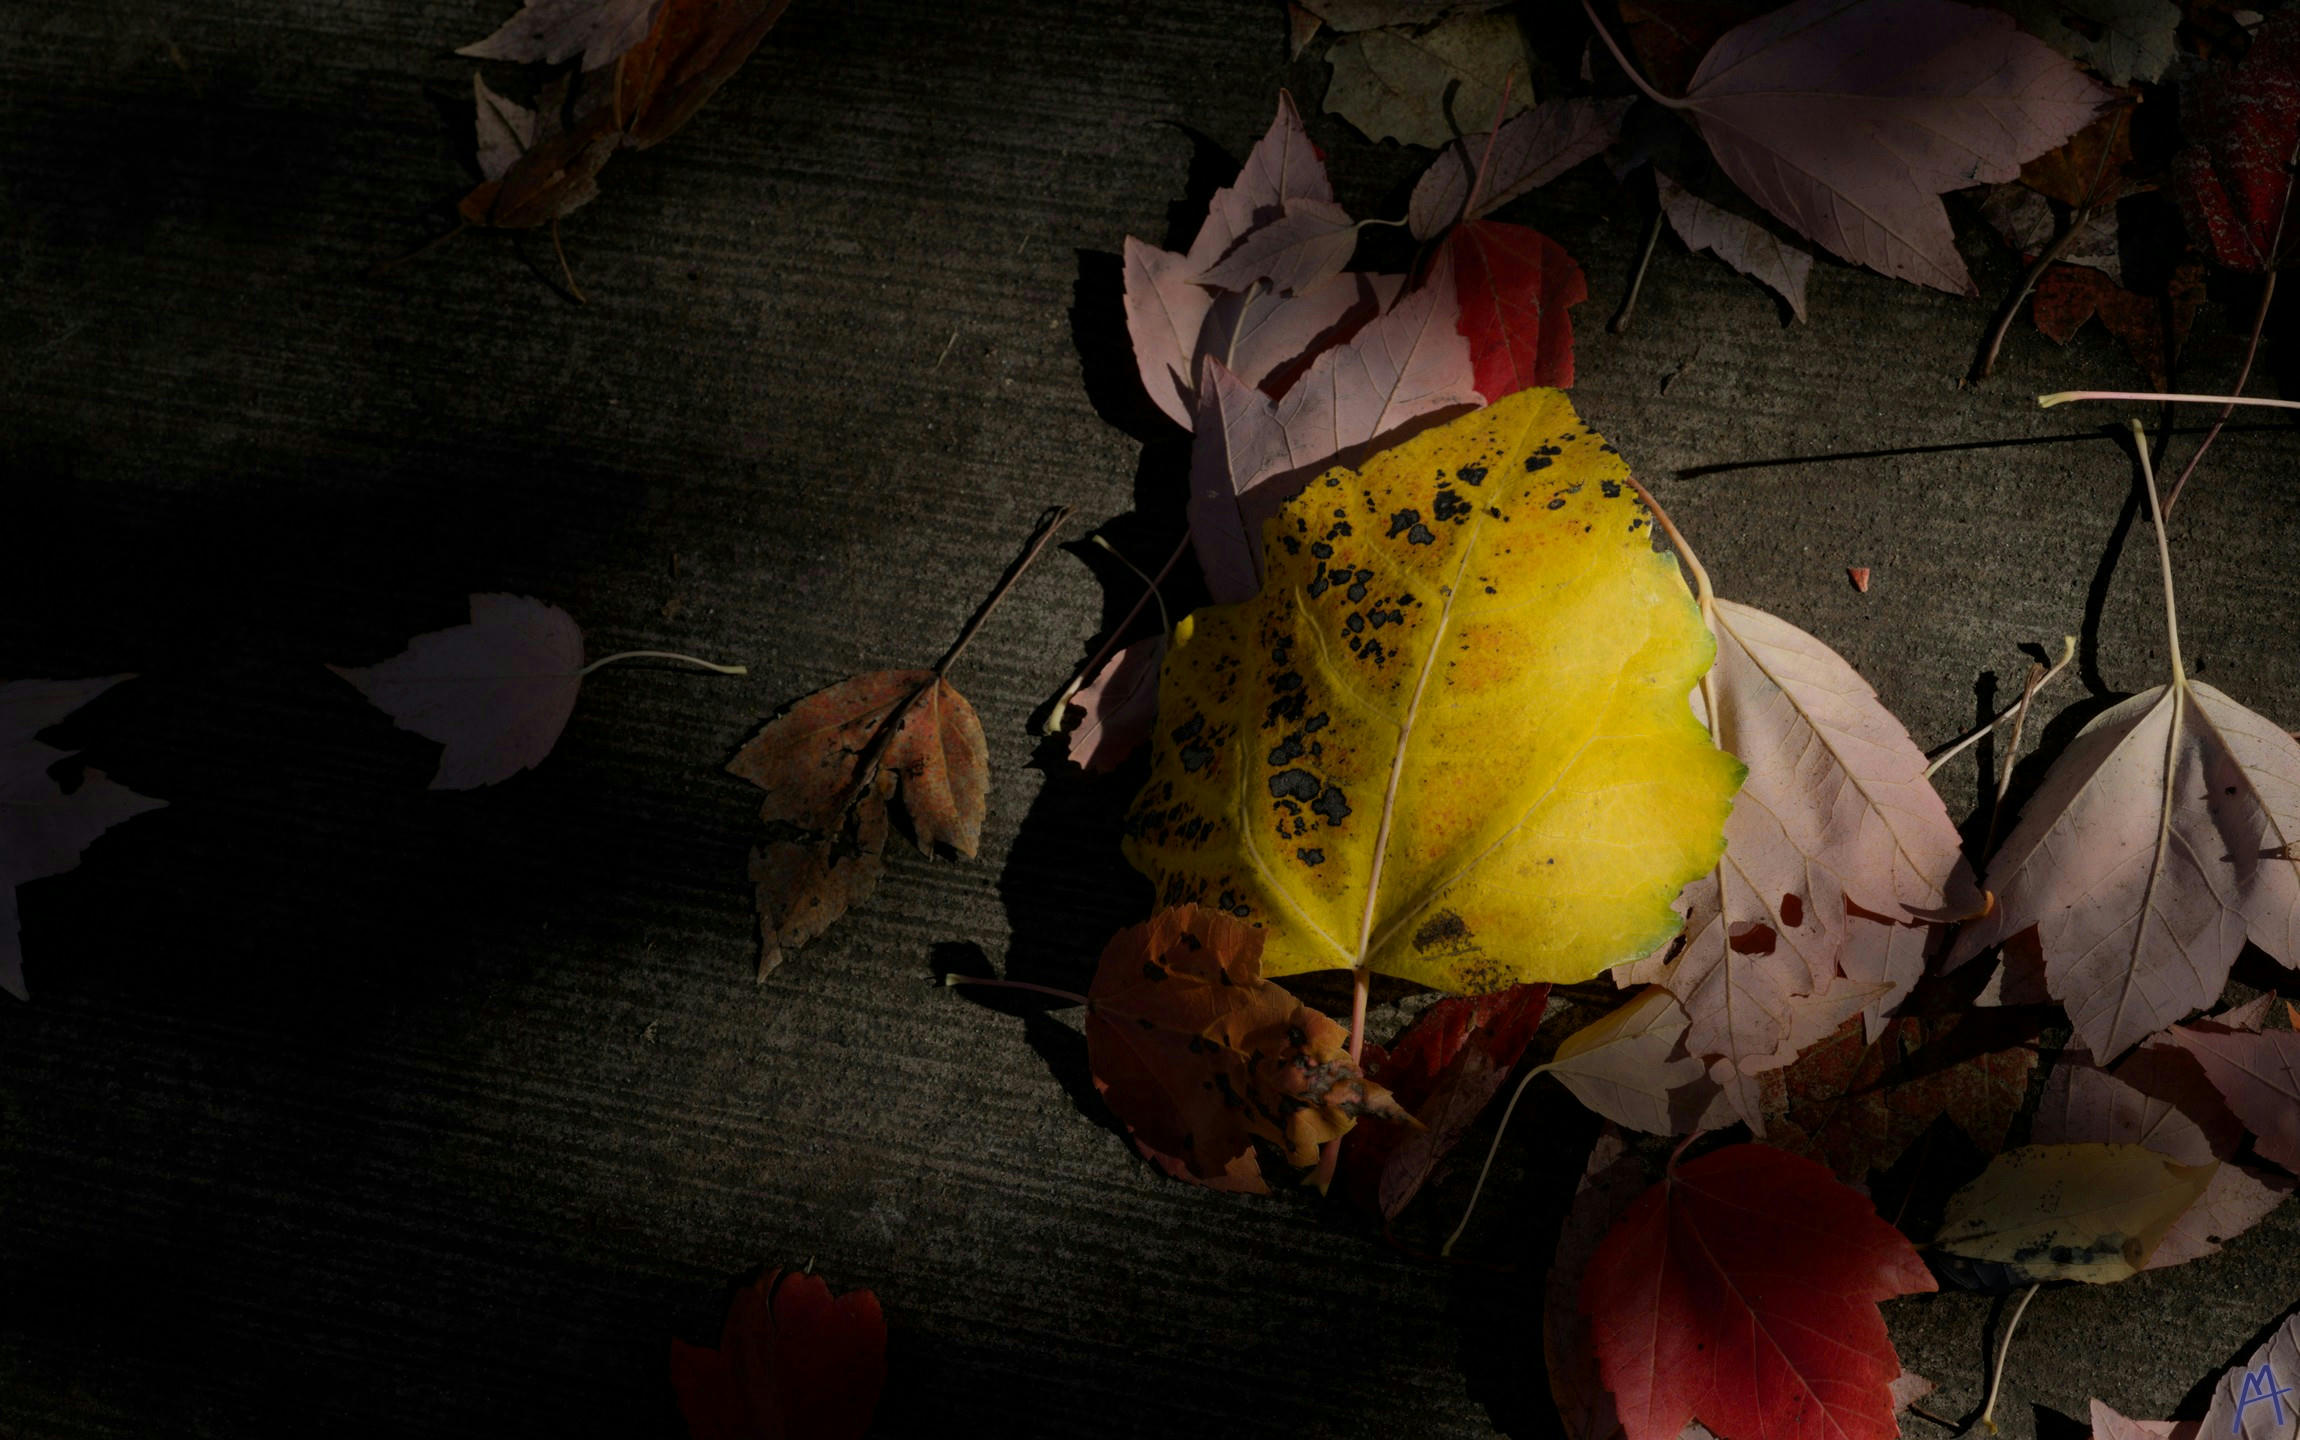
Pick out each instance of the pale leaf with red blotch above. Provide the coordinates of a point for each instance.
(44, 828)
(792, 1363)
(1527, 152)
(1743, 244)
(1848, 118)
(1268, 340)
(1742, 1291)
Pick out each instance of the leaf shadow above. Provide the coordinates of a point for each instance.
(2198, 1400)
(1062, 1048)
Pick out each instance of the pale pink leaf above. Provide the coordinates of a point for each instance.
(495, 692)
(2235, 1200)
(1119, 705)
(1528, 152)
(1165, 312)
(1282, 166)
(1813, 1018)
(1880, 952)
(2156, 844)
(44, 828)
(2164, 1071)
(2256, 1399)
(1266, 340)
(506, 130)
(2108, 1425)
(1310, 242)
(1743, 244)
(1237, 438)
(2084, 1104)
(1848, 118)
(2258, 1074)
(1630, 1066)
(551, 31)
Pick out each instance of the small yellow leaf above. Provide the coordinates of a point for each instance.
(2071, 1212)
(1450, 739)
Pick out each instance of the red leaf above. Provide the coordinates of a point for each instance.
(1445, 1068)
(1515, 285)
(792, 1364)
(1742, 1290)
(2234, 180)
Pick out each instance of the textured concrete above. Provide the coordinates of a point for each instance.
(344, 1108)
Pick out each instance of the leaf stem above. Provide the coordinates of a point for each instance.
(2163, 557)
(1491, 1150)
(1623, 61)
(566, 271)
(997, 984)
(2037, 675)
(1702, 594)
(1973, 736)
(1049, 524)
(2046, 402)
(1093, 663)
(662, 655)
(2004, 1348)
(2259, 324)
(2050, 255)
(1619, 324)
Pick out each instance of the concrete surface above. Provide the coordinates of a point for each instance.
(345, 1108)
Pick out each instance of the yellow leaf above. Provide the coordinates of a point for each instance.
(1450, 739)
(2071, 1212)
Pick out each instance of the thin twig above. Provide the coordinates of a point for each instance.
(1623, 61)
(662, 655)
(997, 984)
(1619, 324)
(2063, 397)
(2077, 220)
(2036, 679)
(2251, 349)
(1093, 663)
(1049, 525)
(564, 268)
(1491, 1150)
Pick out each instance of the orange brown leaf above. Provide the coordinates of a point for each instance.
(792, 1363)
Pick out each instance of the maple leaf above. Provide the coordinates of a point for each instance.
(1310, 242)
(506, 129)
(2092, 169)
(1742, 1291)
(830, 764)
(1269, 340)
(551, 31)
(1396, 84)
(1743, 244)
(1856, 1105)
(2234, 179)
(1166, 306)
(2258, 1074)
(2256, 1398)
(792, 1363)
(2026, 221)
(693, 49)
(537, 168)
(1118, 706)
(2160, 840)
(1527, 152)
(44, 829)
(1201, 1056)
(1847, 118)
(1250, 455)
(1515, 286)
(496, 693)
(2089, 1212)
(2108, 1425)
(1442, 1070)
(1448, 739)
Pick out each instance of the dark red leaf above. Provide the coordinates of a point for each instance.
(2243, 125)
(792, 1364)
(1445, 1069)
(1742, 1290)
(1515, 285)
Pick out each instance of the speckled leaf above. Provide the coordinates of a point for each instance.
(2071, 1212)
(1448, 740)
(1201, 1056)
